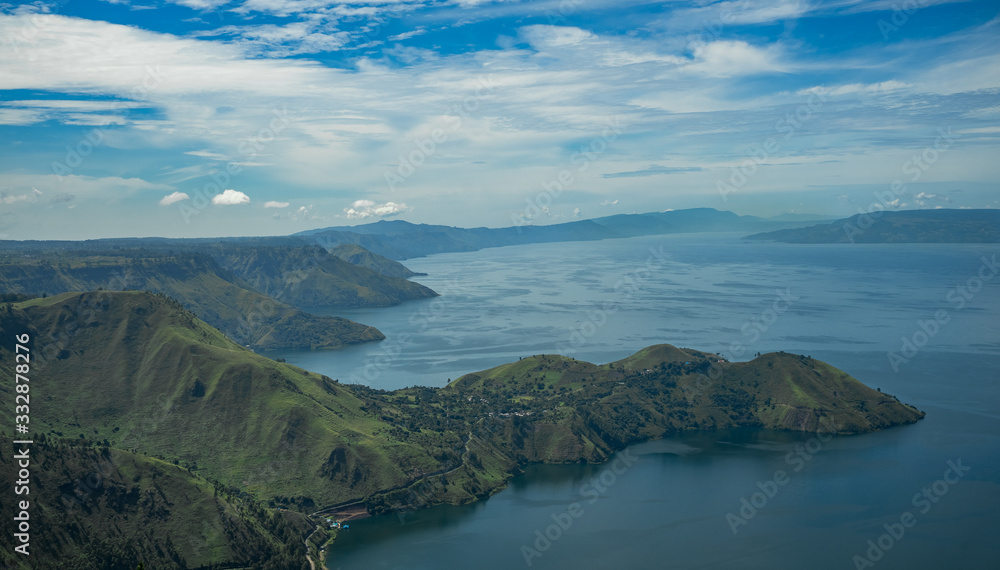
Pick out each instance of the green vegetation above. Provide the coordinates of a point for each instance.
(310, 276)
(95, 507)
(196, 281)
(353, 253)
(146, 378)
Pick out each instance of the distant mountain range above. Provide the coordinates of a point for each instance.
(398, 239)
(907, 226)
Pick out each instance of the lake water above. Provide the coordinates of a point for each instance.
(665, 504)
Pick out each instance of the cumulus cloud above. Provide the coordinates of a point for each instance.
(728, 58)
(363, 209)
(302, 213)
(923, 198)
(273, 204)
(609, 203)
(174, 198)
(230, 197)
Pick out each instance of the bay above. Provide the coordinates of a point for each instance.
(851, 306)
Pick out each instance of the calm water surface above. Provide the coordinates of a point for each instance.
(667, 505)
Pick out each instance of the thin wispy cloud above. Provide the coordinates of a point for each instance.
(653, 170)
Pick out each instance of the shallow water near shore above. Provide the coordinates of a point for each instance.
(847, 305)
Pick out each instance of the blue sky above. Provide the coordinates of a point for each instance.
(255, 117)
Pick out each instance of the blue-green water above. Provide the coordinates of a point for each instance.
(665, 504)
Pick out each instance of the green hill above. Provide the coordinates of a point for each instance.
(310, 276)
(94, 507)
(196, 281)
(142, 374)
(353, 253)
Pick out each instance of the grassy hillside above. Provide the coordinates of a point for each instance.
(353, 253)
(214, 294)
(141, 374)
(95, 507)
(310, 276)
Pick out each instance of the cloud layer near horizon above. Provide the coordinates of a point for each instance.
(463, 113)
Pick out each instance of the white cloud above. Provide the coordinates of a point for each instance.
(407, 35)
(609, 203)
(542, 36)
(273, 204)
(230, 197)
(12, 199)
(350, 122)
(20, 117)
(733, 58)
(207, 154)
(363, 209)
(923, 198)
(851, 88)
(174, 198)
(84, 186)
(299, 214)
(200, 4)
(980, 131)
(290, 39)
